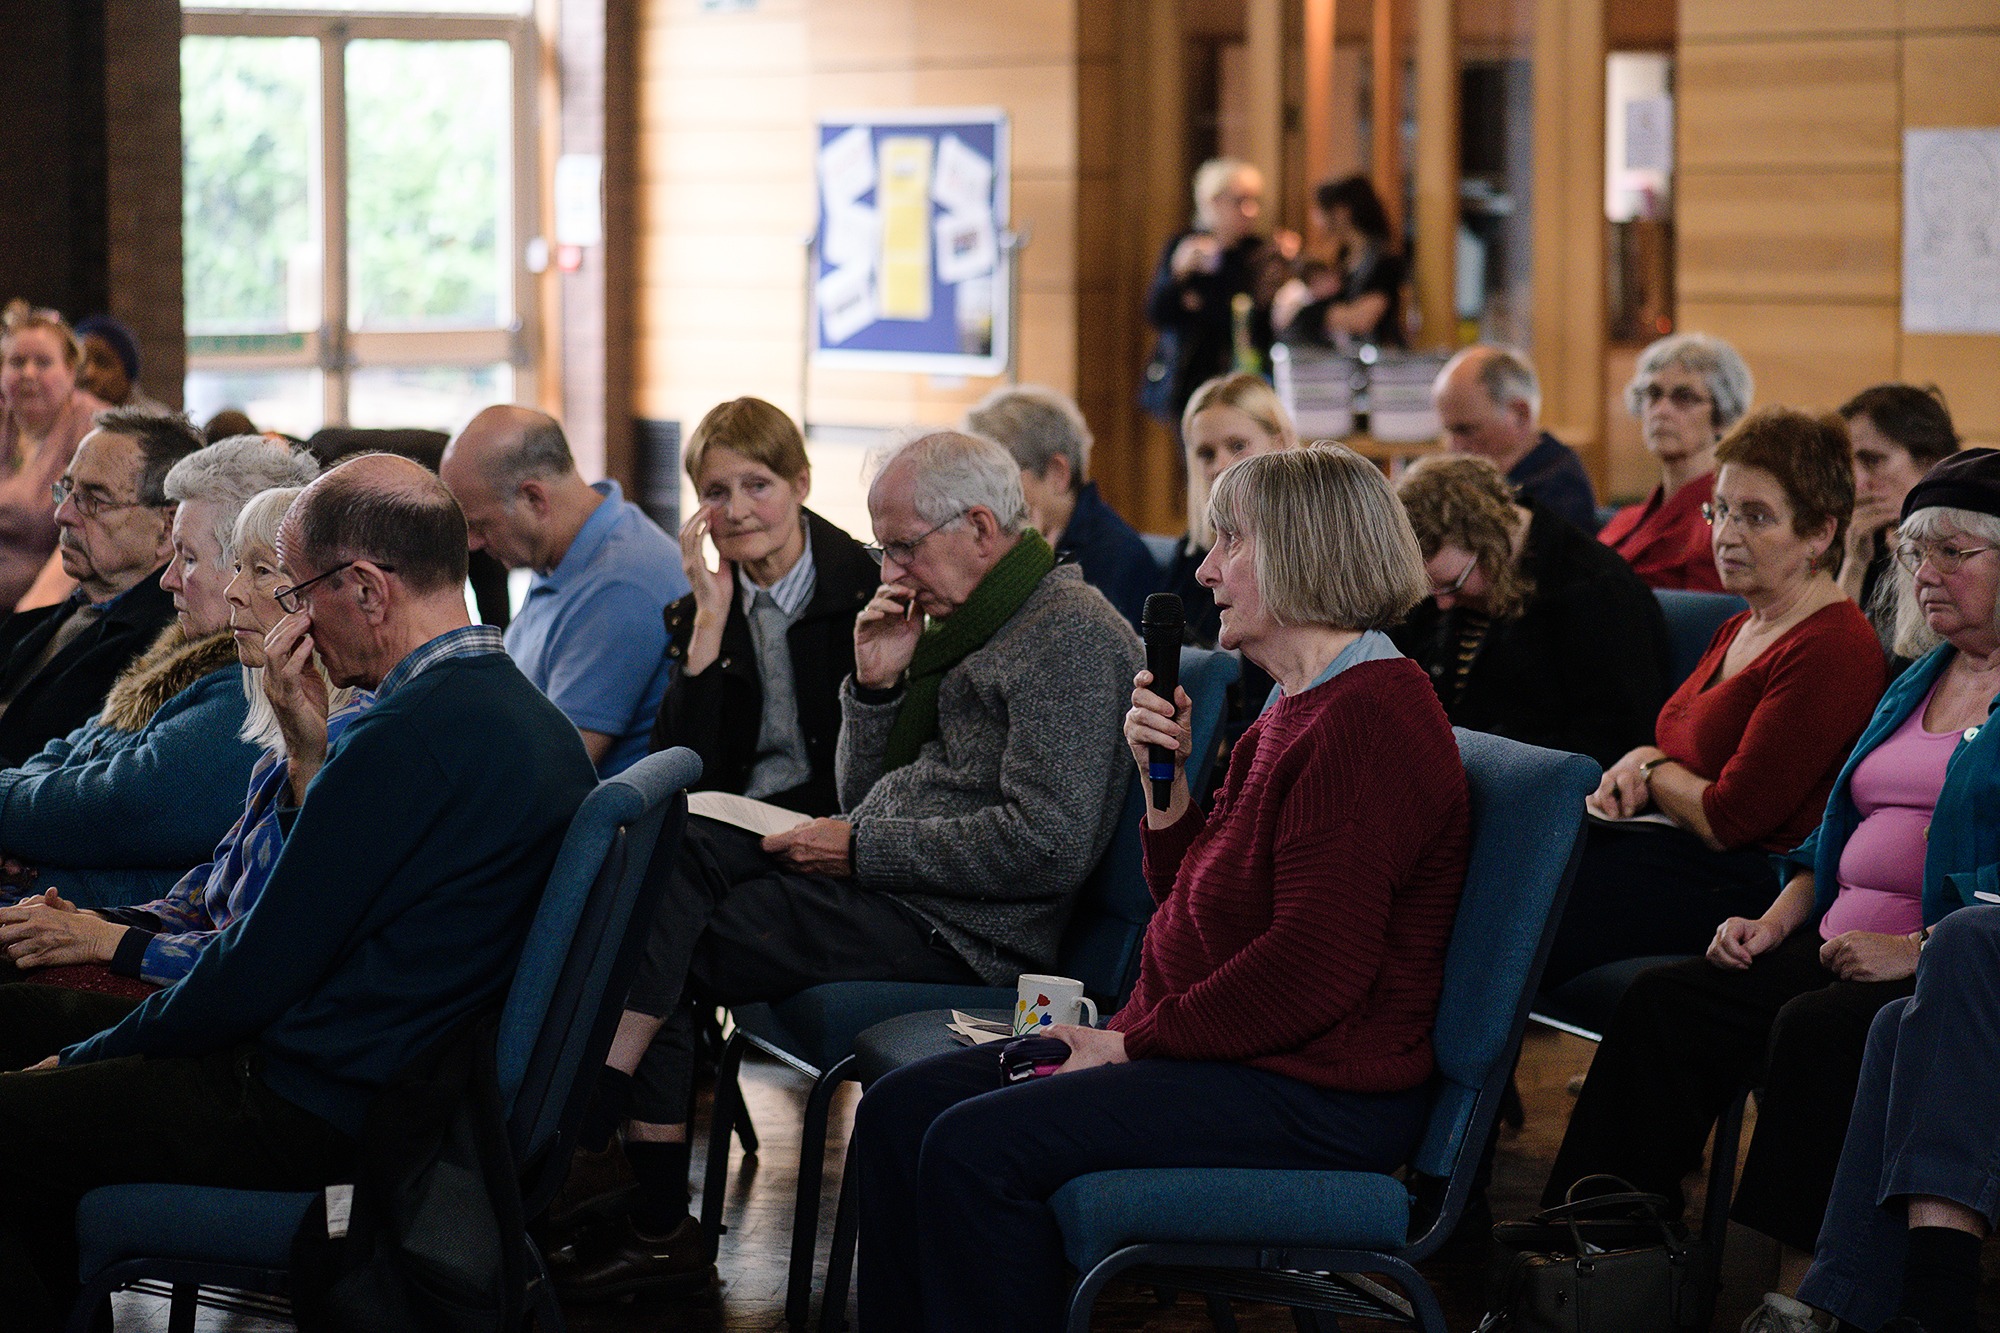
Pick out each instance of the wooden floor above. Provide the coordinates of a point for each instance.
(749, 1297)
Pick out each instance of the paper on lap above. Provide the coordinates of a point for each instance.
(1598, 817)
(972, 1031)
(759, 817)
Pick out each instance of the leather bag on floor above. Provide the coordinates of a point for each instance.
(1605, 1263)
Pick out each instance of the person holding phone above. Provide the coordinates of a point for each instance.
(1290, 975)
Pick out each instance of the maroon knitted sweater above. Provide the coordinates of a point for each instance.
(1302, 923)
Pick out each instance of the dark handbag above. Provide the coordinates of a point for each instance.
(1611, 1263)
(1162, 377)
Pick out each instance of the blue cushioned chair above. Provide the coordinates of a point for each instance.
(1162, 548)
(1692, 620)
(561, 1011)
(814, 1031)
(1301, 1238)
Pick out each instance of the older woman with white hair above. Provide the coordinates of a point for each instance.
(123, 954)
(1290, 978)
(1911, 831)
(1688, 390)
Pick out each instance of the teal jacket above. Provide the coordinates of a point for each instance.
(1962, 852)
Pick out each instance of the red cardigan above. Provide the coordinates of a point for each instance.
(1666, 541)
(1773, 736)
(1302, 924)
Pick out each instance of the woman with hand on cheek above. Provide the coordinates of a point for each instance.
(761, 644)
(1290, 976)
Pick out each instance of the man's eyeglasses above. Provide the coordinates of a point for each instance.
(904, 552)
(89, 505)
(1944, 559)
(291, 598)
(1680, 396)
(1750, 520)
(1451, 589)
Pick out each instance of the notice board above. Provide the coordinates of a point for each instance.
(912, 258)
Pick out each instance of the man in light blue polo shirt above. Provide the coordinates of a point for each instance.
(591, 634)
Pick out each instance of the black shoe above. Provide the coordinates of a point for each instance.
(631, 1262)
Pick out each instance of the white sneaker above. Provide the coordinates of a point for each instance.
(1782, 1314)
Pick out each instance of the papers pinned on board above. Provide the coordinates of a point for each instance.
(847, 166)
(967, 247)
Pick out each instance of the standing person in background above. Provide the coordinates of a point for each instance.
(1204, 330)
(110, 367)
(44, 415)
(1687, 391)
(759, 648)
(1489, 402)
(1366, 304)
(1899, 433)
(1046, 433)
(589, 633)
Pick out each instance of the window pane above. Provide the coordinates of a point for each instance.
(249, 194)
(426, 397)
(288, 400)
(428, 184)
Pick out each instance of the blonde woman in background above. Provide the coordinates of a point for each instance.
(43, 415)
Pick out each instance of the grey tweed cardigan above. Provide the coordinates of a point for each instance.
(990, 831)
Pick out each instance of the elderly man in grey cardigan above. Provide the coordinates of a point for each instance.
(981, 771)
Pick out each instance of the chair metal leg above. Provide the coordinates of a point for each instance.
(840, 1261)
(805, 1211)
(1083, 1300)
(722, 1120)
(1220, 1317)
(1721, 1186)
(746, 1132)
(182, 1309)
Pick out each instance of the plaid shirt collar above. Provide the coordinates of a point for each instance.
(471, 641)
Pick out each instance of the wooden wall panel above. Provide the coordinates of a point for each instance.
(1967, 369)
(1811, 355)
(1952, 80)
(1784, 105)
(1922, 14)
(1709, 19)
(1797, 234)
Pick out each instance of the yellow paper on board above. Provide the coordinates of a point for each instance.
(902, 196)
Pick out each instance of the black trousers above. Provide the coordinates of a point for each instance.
(1686, 1038)
(207, 1120)
(737, 926)
(1652, 890)
(956, 1168)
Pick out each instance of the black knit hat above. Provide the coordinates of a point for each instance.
(1969, 479)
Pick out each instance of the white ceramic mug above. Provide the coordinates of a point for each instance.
(1041, 1002)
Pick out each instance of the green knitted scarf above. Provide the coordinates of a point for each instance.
(945, 643)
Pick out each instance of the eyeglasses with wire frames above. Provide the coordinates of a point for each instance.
(90, 505)
(904, 552)
(291, 599)
(1718, 512)
(1451, 590)
(1945, 559)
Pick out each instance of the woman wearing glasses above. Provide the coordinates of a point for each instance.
(1910, 832)
(1532, 630)
(43, 415)
(1688, 390)
(1747, 748)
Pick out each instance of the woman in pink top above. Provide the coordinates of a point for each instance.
(43, 416)
(1911, 830)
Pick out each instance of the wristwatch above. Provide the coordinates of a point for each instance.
(1646, 769)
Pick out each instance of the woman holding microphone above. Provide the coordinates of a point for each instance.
(1291, 973)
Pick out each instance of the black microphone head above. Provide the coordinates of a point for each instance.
(1164, 611)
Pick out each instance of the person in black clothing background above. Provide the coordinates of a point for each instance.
(1192, 299)
(773, 622)
(1367, 304)
(1532, 631)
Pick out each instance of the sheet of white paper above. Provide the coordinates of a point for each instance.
(847, 166)
(1649, 134)
(1649, 817)
(1951, 231)
(963, 179)
(759, 817)
(853, 235)
(963, 1019)
(846, 303)
(976, 1036)
(966, 246)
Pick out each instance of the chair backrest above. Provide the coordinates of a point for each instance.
(1692, 620)
(584, 945)
(1101, 946)
(331, 444)
(1162, 548)
(1527, 821)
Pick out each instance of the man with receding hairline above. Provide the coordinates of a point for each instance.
(416, 849)
(592, 632)
(1489, 403)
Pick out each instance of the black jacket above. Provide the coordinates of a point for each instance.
(717, 714)
(70, 690)
(1583, 667)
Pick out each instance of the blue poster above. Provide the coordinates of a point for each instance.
(912, 261)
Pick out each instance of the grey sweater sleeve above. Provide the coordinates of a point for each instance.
(864, 739)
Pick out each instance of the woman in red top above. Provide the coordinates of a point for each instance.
(1290, 976)
(1687, 391)
(1749, 745)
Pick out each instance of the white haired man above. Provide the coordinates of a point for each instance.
(1489, 402)
(980, 768)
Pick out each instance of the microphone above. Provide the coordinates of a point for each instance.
(1162, 626)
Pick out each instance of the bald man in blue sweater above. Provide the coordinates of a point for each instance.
(416, 851)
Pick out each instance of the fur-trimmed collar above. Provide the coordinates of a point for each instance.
(162, 671)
